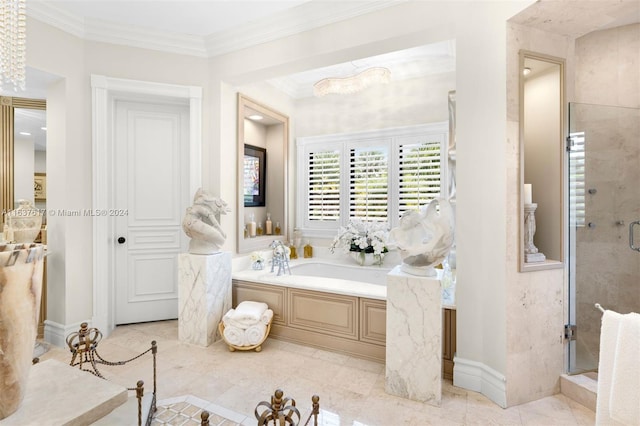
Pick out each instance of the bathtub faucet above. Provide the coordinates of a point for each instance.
(279, 258)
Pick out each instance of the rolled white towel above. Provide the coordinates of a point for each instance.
(266, 317)
(255, 333)
(235, 336)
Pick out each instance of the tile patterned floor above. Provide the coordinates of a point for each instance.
(351, 390)
(186, 411)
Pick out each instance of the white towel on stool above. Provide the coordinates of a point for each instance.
(266, 317)
(235, 336)
(255, 333)
(246, 314)
(608, 340)
(624, 404)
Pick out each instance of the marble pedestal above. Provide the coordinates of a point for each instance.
(413, 367)
(204, 296)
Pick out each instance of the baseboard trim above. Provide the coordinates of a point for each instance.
(475, 376)
(56, 333)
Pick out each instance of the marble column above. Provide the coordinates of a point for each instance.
(413, 367)
(204, 296)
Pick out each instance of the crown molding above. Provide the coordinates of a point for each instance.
(57, 17)
(305, 17)
(107, 32)
(302, 18)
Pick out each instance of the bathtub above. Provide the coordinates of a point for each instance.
(335, 305)
(324, 275)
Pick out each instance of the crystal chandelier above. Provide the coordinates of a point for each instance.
(352, 84)
(13, 36)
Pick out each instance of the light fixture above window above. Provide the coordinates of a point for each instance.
(13, 25)
(526, 71)
(255, 117)
(352, 84)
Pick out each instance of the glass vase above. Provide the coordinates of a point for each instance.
(367, 259)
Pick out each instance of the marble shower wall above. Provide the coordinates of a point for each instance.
(607, 271)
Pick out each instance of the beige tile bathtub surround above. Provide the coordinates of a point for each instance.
(350, 389)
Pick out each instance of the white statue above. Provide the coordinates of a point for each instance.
(424, 237)
(201, 225)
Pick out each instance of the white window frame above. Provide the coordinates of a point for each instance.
(392, 138)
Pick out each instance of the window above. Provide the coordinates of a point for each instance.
(577, 210)
(368, 184)
(372, 176)
(324, 186)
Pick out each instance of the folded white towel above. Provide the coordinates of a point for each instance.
(608, 340)
(234, 336)
(255, 333)
(245, 314)
(624, 403)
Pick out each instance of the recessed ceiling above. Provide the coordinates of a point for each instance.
(415, 62)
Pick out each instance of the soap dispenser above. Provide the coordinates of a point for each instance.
(268, 225)
(308, 250)
(252, 226)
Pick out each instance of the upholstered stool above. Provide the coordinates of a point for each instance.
(247, 326)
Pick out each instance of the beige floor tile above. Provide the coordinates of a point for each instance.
(552, 411)
(351, 390)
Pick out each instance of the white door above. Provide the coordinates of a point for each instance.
(150, 193)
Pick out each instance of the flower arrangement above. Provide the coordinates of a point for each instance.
(256, 256)
(257, 260)
(362, 237)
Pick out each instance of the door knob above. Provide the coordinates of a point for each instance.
(121, 240)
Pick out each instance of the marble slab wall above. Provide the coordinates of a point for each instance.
(414, 337)
(204, 296)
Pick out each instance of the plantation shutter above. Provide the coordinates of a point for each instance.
(324, 186)
(577, 210)
(419, 175)
(368, 183)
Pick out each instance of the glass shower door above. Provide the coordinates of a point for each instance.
(604, 200)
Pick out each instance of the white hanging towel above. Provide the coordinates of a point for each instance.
(624, 404)
(608, 342)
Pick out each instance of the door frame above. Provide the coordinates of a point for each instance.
(105, 91)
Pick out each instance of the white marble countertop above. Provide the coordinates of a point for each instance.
(242, 271)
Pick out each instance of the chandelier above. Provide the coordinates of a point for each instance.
(352, 84)
(13, 36)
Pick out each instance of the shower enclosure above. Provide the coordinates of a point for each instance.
(604, 233)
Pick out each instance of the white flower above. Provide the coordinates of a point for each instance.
(256, 257)
(369, 237)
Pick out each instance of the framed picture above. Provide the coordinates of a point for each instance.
(40, 186)
(255, 166)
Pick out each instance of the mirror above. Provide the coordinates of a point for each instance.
(23, 163)
(542, 172)
(263, 139)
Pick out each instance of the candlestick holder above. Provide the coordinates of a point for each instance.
(531, 253)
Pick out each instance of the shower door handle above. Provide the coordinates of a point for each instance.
(631, 245)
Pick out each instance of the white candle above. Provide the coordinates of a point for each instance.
(527, 194)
